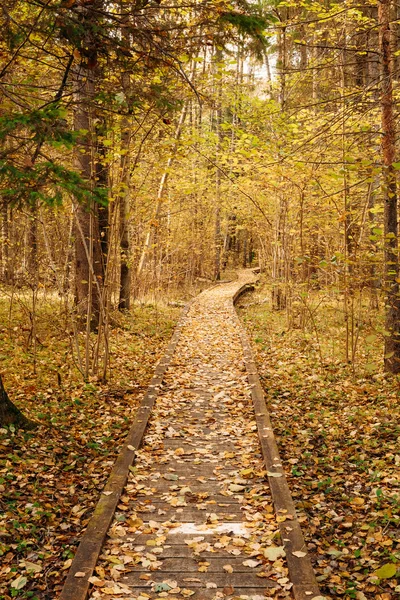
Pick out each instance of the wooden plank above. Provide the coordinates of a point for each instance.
(186, 467)
(208, 594)
(188, 485)
(157, 500)
(194, 508)
(239, 579)
(190, 564)
(223, 445)
(194, 515)
(214, 488)
(176, 539)
(184, 551)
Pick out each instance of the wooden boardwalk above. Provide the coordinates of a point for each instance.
(197, 516)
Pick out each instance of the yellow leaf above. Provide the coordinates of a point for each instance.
(228, 568)
(386, 571)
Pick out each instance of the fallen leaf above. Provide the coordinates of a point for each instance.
(251, 563)
(274, 552)
(234, 487)
(228, 568)
(203, 569)
(67, 564)
(386, 571)
(31, 567)
(228, 590)
(19, 582)
(161, 587)
(97, 581)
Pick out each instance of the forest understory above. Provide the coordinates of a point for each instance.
(337, 430)
(51, 477)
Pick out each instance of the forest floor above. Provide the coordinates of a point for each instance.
(337, 432)
(50, 478)
(338, 437)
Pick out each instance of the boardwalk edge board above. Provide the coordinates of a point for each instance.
(76, 586)
(301, 572)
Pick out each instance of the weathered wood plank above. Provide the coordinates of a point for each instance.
(193, 515)
(191, 563)
(209, 594)
(222, 579)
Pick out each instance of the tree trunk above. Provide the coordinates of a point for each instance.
(101, 173)
(10, 414)
(281, 63)
(124, 210)
(125, 274)
(217, 214)
(5, 241)
(245, 250)
(373, 280)
(89, 272)
(124, 194)
(392, 302)
(279, 259)
(32, 247)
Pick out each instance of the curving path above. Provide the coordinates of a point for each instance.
(197, 517)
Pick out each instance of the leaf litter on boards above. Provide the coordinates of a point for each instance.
(200, 455)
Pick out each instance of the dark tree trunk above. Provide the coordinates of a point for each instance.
(101, 170)
(10, 414)
(124, 302)
(89, 271)
(392, 302)
(5, 241)
(125, 208)
(32, 243)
